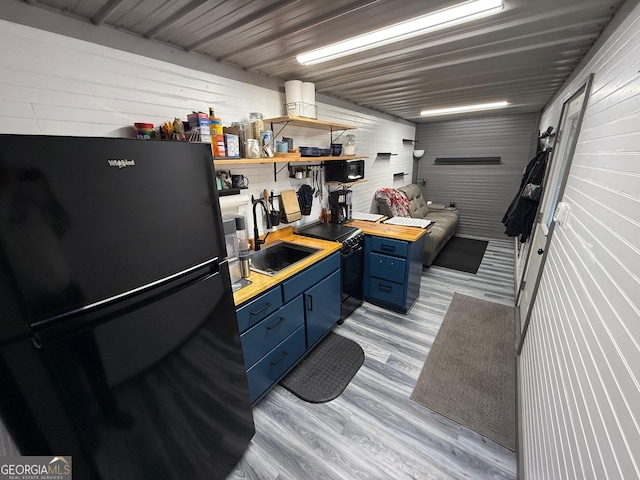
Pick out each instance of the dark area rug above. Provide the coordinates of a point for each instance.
(469, 374)
(324, 373)
(464, 254)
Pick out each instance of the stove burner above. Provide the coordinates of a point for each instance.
(330, 231)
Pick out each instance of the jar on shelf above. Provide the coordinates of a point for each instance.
(267, 143)
(241, 138)
(349, 146)
(256, 119)
(252, 148)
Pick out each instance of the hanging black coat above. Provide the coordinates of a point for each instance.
(521, 214)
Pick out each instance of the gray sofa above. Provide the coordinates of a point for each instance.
(445, 220)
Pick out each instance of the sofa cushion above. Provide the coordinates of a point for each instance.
(445, 221)
(439, 234)
(418, 207)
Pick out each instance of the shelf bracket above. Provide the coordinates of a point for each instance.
(331, 135)
(276, 171)
(279, 131)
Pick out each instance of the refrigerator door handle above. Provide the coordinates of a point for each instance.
(213, 263)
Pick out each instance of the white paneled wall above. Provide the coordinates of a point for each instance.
(580, 365)
(57, 85)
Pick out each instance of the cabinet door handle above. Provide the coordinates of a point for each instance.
(310, 303)
(386, 288)
(280, 358)
(262, 309)
(388, 248)
(275, 324)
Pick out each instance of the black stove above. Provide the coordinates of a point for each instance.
(351, 260)
(349, 237)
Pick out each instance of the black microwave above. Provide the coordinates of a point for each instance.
(344, 171)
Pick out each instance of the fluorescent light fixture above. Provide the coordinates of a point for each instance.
(463, 108)
(461, 13)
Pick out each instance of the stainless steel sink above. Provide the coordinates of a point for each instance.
(278, 256)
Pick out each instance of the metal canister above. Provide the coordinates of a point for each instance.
(245, 269)
(267, 143)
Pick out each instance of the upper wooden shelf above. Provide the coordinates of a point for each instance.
(309, 122)
(346, 184)
(240, 161)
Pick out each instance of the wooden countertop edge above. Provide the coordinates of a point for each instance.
(397, 232)
(261, 283)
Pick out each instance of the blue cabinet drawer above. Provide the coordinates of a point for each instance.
(386, 291)
(269, 370)
(322, 303)
(384, 266)
(261, 307)
(263, 337)
(388, 246)
(297, 284)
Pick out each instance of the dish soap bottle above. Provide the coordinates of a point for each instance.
(349, 147)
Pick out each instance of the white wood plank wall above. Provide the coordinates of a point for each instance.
(482, 192)
(58, 85)
(580, 366)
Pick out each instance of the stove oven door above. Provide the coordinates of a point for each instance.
(352, 267)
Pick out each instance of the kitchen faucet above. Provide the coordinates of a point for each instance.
(256, 237)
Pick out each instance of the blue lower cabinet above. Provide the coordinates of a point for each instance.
(322, 307)
(279, 326)
(266, 335)
(255, 310)
(386, 266)
(389, 246)
(386, 291)
(276, 363)
(392, 272)
(306, 279)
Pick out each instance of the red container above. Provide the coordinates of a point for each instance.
(217, 144)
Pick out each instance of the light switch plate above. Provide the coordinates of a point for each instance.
(561, 215)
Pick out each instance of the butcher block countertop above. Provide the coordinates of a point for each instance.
(261, 283)
(397, 232)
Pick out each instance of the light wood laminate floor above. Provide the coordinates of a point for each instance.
(373, 430)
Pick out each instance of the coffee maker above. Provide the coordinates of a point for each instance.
(340, 206)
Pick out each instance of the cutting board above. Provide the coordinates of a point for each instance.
(290, 207)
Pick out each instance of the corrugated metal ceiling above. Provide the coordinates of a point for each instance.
(521, 55)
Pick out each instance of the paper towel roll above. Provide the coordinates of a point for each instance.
(293, 91)
(309, 93)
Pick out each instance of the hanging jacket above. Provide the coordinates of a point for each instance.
(520, 216)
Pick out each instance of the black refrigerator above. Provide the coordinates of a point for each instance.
(119, 344)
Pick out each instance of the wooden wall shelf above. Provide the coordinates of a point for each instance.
(244, 161)
(299, 122)
(346, 184)
(309, 122)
